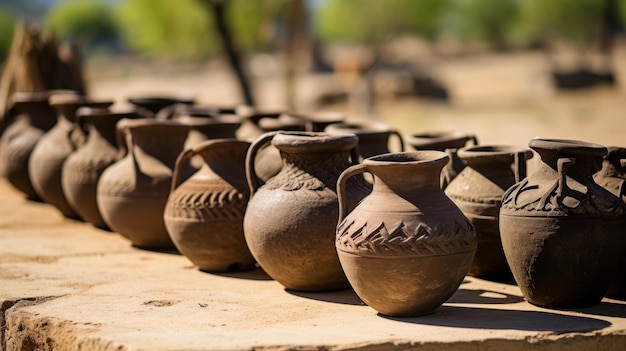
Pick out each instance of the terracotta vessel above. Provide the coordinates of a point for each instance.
(448, 142)
(373, 136)
(53, 148)
(406, 247)
(82, 168)
(290, 221)
(204, 215)
(32, 117)
(132, 193)
(562, 233)
(612, 177)
(317, 121)
(477, 191)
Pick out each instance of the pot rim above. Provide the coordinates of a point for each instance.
(408, 158)
(568, 146)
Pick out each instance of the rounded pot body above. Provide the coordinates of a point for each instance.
(406, 247)
(82, 168)
(132, 192)
(290, 221)
(478, 190)
(33, 117)
(561, 232)
(46, 161)
(204, 215)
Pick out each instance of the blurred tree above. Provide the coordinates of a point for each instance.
(89, 23)
(7, 22)
(180, 28)
(489, 20)
(374, 21)
(254, 23)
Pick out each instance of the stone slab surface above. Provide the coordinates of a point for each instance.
(65, 285)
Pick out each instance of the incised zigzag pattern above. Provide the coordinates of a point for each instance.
(309, 172)
(216, 201)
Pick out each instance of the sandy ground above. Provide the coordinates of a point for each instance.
(502, 98)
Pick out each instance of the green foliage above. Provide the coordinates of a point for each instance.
(488, 20)
(88, 22)
(253, 22)
(373, 21)
(574, 20)
(7, 23)
(182, 28)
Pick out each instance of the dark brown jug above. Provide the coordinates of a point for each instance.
(290, 221)
(562, 233)
(449, 142)
(53, 148)
(204, 214)
(406, 247)
(133, 191)
(477, 190)
(33, 117)
(82, 168)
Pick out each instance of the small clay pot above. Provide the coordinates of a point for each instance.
(204, 215)
(373, 136)
(406, 247)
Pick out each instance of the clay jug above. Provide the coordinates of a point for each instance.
(448, 142)
(373, 136)
(53, 148)
(290, 221)
(477, 191)
(561, 232)
(82, 168)
(612, 177)
(406, 247)
(132, 192)
(33, 117)
(204, 215)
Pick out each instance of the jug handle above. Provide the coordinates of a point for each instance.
(182, 158)
(520, 166)
(120, 137)
(400, 138)
(341, 187)
(473, 139)
(562, 165)
(259, 143)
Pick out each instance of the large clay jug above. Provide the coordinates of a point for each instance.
(406, 247)
(290, 221)
(46, 161)
(478, 189)
(132, 193)
(448, 142)
(373, 136)
(562, 233)
(82, 169)
(204, 214)
(33, 117)
(612, 177)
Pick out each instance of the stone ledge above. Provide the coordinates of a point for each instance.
(65, 285)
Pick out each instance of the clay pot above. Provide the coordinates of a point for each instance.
(53, 148)
(317, 121)
(33, 117)
(290, 221)
(612, 177)
(204, 215)
(477, 191)
(406, 247)
(149, 106)
(448, 142)
(82, 169)
(132, 192)
(373, 136)
(562, 233)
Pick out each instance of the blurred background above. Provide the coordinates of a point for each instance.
(505, 70)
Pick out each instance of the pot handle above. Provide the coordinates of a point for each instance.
(519, 166)
(181, 160)
(251, 176)
(400, 138)
(562, 165)
(341, 188)
(473, 139)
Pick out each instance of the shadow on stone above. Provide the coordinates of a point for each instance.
(345, 296)
(480, 296)
(487, 318)
(604, 308)
(255, 274)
